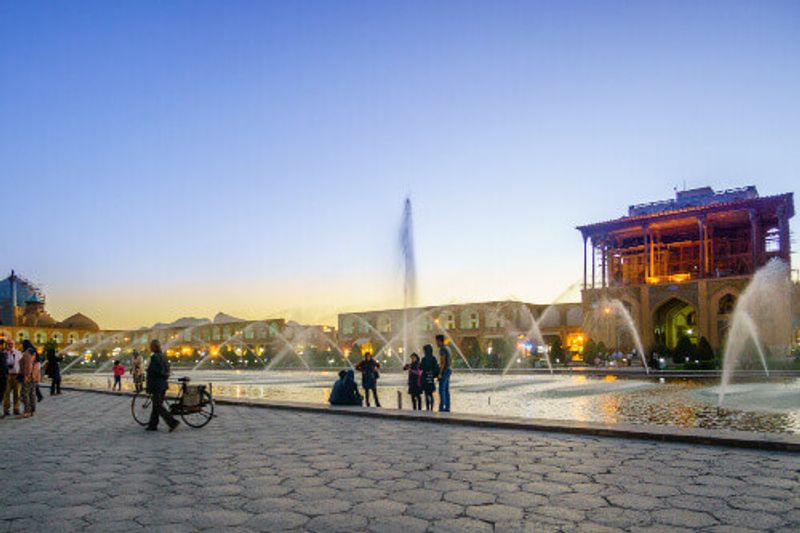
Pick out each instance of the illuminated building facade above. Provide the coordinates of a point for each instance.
(679, 265)
(472, 327)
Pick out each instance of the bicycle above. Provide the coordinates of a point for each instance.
(194, 404)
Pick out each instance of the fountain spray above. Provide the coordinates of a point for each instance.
(409, 273)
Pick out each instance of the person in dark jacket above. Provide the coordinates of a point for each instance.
(54, 370)
(157, 383)
(345, 390)
(3, 367)
(430, 370)
(414, 370)
(369, 377)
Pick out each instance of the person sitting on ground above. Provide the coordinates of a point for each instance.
(337, 392)
(119, 371)
(430, 369)
(351, 394)
(414, 381)
(345, 390)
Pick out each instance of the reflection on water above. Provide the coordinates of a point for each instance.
(772, 407)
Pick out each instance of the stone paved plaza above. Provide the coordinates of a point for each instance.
(83, 464)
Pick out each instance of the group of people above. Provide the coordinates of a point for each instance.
(422, 376)
(21, 373)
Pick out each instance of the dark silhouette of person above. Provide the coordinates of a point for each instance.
(157, 383)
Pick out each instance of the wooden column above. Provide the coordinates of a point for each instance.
(605, 260)
(754, 238)
(584, 262)
(701, 226)
(646, 253)
(594, 261)
(783, 234)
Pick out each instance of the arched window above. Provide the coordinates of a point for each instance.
(273, 329)
(470, 319)
(726, 304)
(363, 325)
(40, 337)
(575, 316)
(448, 321)
(226, 332)
(72, 337)
(216, 334)
(385, 324)
(22, 335)
(249, 333)
(347, 325)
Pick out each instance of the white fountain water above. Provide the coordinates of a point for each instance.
(619, 308)
(762, 316)
(409, 279)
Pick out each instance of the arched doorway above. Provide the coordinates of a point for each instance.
(674, 319)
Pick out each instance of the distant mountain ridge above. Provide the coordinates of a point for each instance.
(190, 321)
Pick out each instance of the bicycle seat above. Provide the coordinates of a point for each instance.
(184, 380)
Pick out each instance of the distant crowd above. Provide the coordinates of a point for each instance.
(422, 377)
(21, 373)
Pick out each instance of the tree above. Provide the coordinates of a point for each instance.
(602, 351)
(474, 354)
(589, 351)
(557, 352)
(704, 350)
(685, 350)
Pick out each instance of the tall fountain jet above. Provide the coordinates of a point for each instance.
(409, 277)
(762, 317)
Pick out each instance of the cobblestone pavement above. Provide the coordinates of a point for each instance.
(82, 463)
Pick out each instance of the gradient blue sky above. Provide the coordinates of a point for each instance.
(162, 159)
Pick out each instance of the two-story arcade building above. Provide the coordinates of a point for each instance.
(679, 265)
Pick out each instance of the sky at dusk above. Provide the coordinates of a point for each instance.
(167, 159)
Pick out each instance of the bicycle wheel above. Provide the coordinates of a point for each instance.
(201, 414)
(141, 406)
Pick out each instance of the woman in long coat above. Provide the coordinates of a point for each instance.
(430, 369)
(369, 377)
(54, 370)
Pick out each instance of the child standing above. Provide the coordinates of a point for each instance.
(415, 381)
(119, 371)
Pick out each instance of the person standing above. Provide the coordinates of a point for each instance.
(369, 377)
(119, 371)
(430, 371)
(157, 376)
(3, 367)
(444, 374)
(137, 371)
(414, 381)
(27, 345)
(30, 375)
(13, 385)
(54, 370)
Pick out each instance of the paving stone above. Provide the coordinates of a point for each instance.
(379, 508)
(435, 510)
(398, 524)
(684, 518)
(494, 512)
(460, 525)
(276, 521)
(336, 523)
(469, 497)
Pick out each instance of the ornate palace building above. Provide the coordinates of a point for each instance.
(679, 265)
